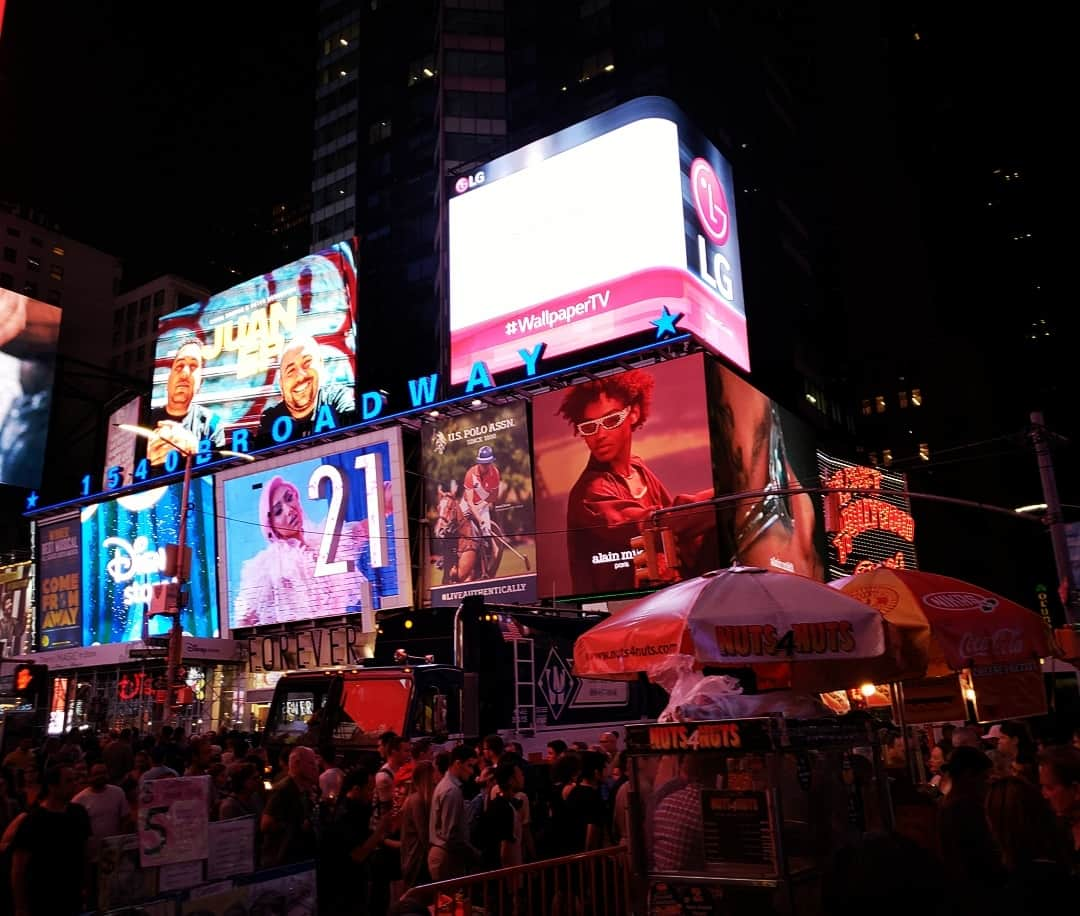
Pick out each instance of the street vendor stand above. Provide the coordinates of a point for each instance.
(742, 816)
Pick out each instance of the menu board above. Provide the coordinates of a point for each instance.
(738, 828)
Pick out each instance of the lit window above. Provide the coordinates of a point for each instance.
(33, 264)
(903, 399)
(886, 456)
(866, 408)
(58, 251)
(924, 451)
(56, 272)
(879, 403)
(916, 397)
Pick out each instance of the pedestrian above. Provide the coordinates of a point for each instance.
(451, 855)
(288, 821)
(415, 826)
(54, 831)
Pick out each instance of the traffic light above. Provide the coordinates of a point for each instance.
(29, 683)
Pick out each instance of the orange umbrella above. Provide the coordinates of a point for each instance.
(742, 617)
(968, 626)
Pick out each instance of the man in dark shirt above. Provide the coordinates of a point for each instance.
(309, 404)
(179, 410)
(288, 821)
(49, 861)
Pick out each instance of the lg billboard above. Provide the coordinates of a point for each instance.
(585, 236)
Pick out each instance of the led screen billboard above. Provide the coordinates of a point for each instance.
(29, 331)
(15, 629)
(762, 449)
(316, 533)
(59, 595)
(124, 544)
(609, 452)
(585, 237)
(268, 361)
(866, 530)
(478, 499)
(606, 453)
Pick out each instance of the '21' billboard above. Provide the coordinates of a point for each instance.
(317, 533)
(588, 235)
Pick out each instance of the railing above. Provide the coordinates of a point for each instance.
(593, 883)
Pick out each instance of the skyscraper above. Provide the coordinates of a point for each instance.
(413, 93)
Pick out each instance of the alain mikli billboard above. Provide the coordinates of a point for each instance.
(586, 236)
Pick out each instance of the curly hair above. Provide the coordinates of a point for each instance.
(633, 388)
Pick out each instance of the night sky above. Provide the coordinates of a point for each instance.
(160, 143)
(135, 127)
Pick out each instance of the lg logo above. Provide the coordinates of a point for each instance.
(713, 215)
(465, 182)
(710, 201)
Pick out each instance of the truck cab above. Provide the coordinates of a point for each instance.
(349, 708)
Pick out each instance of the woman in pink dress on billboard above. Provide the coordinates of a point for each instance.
(283, 581)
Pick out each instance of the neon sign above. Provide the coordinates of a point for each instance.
(866, 531)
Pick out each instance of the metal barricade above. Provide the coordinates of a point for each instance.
(593, 883)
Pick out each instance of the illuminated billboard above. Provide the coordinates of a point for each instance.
(762, 449)
(29, 331)
(316, 533)
(609, 452)
(59, 596)
(588, 235)
(124, 544)
(15, 620)
(866, 530)
(478, 499)
(269, 361)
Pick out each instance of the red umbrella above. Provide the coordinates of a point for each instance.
(969, 625)
(740, 617)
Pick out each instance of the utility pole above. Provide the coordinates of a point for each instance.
(1055, 519)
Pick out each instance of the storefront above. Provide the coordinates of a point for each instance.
(270, 652)
(111, 687)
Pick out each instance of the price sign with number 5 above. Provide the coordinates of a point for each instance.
(173, 820)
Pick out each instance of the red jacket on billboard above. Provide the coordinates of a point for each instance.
(602, 515)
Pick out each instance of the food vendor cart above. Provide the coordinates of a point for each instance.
(743, 815)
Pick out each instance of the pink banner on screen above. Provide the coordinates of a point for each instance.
(604, 312)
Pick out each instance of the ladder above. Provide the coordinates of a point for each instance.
(524, 685)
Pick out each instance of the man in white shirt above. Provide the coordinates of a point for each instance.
(106, 804)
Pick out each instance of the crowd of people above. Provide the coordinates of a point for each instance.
(1004, 831)
(1007, 815)
(421, 814)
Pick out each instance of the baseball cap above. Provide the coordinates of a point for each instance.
(993, 734)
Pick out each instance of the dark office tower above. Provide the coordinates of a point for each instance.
(374, 173)
(415, 95)
(470, 112)
(745, 74)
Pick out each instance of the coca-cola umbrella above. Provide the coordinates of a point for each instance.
(743, 617)
(970, 627)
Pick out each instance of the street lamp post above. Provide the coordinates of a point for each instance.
(1055, 520)
(187, 445)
